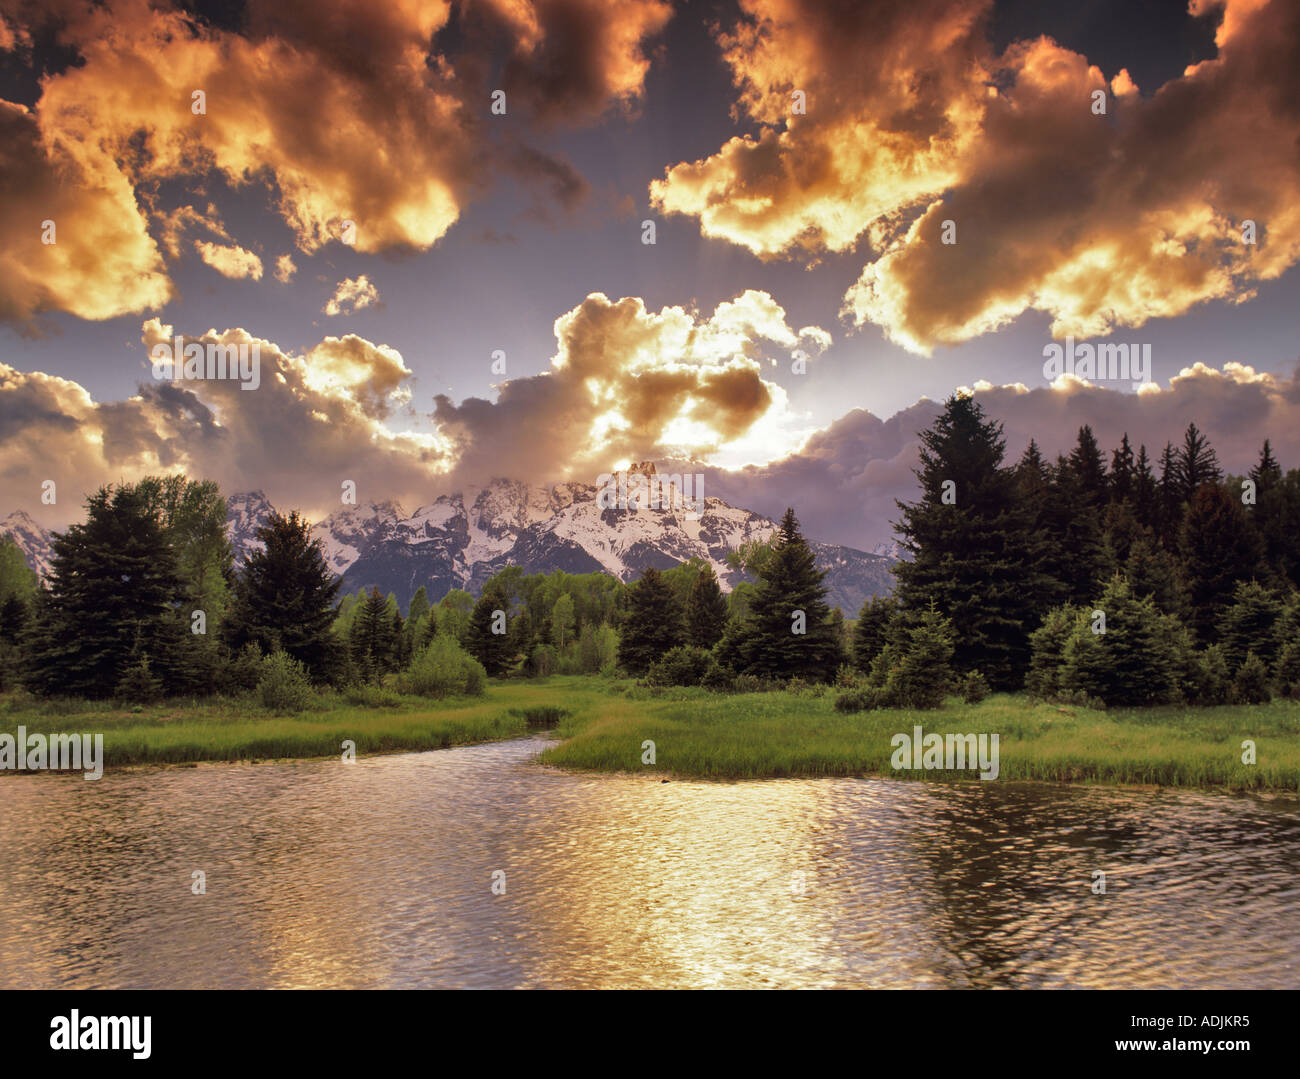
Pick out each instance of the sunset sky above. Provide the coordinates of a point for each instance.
(775, 231)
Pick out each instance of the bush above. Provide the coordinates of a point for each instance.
(718, 677)
(684, 665)
(972, 687)
(860, 700)
(284, 686)
(751, 683)
(371, 696)
(849, 677)
(442, 669)
(1251, 684)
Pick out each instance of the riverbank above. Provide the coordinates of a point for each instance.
(604, 725)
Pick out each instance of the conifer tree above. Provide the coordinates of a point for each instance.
(967, 536)
(1197, 463)
(706, 611)
(790, 631)
(869, 635)
(1123, 471)
(654, 623)
(1250, 624)
(284, 598)
(1219, 549)
(1144, 491)
(494, 650)
(111, 595)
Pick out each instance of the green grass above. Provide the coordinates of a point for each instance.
(784, 734)
(603, 723)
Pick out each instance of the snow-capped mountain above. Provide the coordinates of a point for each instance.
(460, 540)
(32, 540)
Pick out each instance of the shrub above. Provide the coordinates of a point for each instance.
(284, 686)
(684, 665)
(1251, 684)
(849, 677)
(860, 700)
(718, 677)
(751, 683)
(371, 696)
(442, 669)
(972, 687)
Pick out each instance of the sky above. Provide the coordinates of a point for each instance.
(857, 210)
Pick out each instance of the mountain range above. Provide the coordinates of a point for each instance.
(462, 539)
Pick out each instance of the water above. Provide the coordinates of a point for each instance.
(379, 874)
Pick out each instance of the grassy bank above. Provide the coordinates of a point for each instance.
(177, 732)
(707, 735)
(783, 734)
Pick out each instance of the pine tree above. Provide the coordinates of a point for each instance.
(1219, 550)
(1197, 463)
(968, 549)
(111, 593)
(494, 650)
(1152, 572)
(1123, 471)
(1133, 662)
(1086, 470)
(371, 640)
(1144, 491)
(654, 623)
(790, 630)
(284, 598)
(1267, 473)
(1169, 499)
(706, 611)
(869, 634)
(1250, 624)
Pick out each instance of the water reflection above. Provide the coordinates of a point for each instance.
(380, 874)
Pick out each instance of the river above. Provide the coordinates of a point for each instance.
(381, 874)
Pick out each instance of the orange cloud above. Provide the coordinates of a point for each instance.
(911, 121)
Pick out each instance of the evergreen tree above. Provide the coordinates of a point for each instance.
(869, 635)
(1218, 550)
(1086, 471)
(112, 593)
(790, 630)
(968, 550)
(1145, 504)
(1267, 473)
(372, 641)
(1123, 472)
(284, 598)
(494, 650)
(1133, 662)
(654, 623)
(706, 611)
(1152, 572)
(1197, 463)
(1169, 499)
(1250, 623)
(917, 673)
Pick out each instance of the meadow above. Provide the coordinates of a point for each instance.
(603, 725)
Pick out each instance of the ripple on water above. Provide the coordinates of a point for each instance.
(380, 874)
